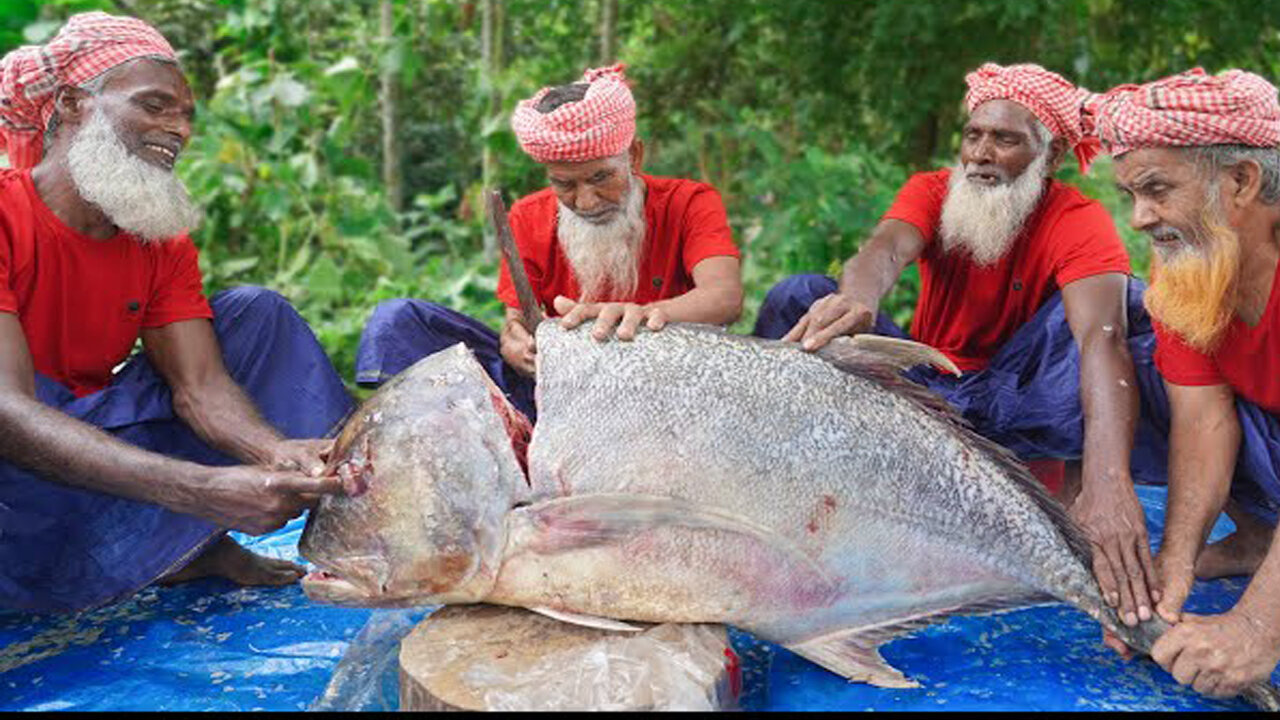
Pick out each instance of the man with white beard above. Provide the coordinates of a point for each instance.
(1024, 285)
(1199, 156)
(604, 242)
(111, 480)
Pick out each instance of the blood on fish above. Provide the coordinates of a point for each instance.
(821, 516)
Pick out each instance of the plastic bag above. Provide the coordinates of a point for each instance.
(365, 678)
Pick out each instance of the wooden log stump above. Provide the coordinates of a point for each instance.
(485, 657)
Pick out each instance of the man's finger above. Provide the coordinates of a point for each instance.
(1185, 669)
(1128, 610)
(1167, 648)
(630, 322)
(1115, 643)
(1106, 578)
(606, 320)
(841, 326)
(562, 305)
(304, 485)
(797, 332)
(1137, 578)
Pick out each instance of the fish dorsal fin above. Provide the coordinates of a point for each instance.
(854, 653)
(591, 621)
(900, 354)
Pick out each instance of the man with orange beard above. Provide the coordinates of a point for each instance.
(1198, 156)
(604, 243)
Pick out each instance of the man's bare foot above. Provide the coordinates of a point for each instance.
(1241, 552)
(225, 558)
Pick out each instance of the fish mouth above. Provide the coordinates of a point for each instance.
(323, 586)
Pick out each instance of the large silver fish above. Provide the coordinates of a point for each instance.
(819, 501)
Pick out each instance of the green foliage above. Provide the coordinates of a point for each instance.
(807, 116)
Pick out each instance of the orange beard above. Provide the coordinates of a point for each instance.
(1194, 294)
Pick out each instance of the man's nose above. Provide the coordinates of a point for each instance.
(1143, 216)
(982, 152)
(586, 200)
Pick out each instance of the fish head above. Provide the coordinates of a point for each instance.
(430, 472)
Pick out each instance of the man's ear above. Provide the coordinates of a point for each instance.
(71, 104)
(1247, 175)
(1057, 153)
(636, 153)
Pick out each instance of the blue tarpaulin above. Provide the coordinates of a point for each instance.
(208, 645)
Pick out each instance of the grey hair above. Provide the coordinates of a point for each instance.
(1212, 160)
(94, 86)
(1041, 134)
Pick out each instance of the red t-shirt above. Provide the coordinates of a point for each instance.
(82, 302)
(1245, 359)
(967, 311)
(685, 223)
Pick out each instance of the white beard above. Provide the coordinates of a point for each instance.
(984, 221)
(605, 258)
(146, 201)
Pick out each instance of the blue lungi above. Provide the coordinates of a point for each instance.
(1028, 396)
(64, 549)
(401, 332)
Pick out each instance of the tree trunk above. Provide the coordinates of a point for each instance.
(608, 32)
(491, 64)
(392, 177)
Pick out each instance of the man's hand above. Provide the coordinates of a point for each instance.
(831, 317)
(1112, 519)
(1175, 576)
(1219, 655)
(518, 347)
(625, 316)
(257, 500)
(306, 456)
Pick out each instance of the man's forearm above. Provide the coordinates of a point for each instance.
(1202, 455)
(65, 450)
(871, 273)
(1109, 400)
(224, 417)
(711, 305)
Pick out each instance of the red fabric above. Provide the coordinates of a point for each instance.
(82, 302)
(1192, 108)
(601, 124)
(1050, 472)
(1049, 96)
(1245, 359)
(88, 45)
(685, 223)
(967, 311)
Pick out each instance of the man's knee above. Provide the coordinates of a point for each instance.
(252, 299)
(393, 316)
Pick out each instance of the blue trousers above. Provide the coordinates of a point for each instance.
(64, 549)
(1028, 397)
(401, 332)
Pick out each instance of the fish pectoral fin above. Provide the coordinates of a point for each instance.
(855, 656)
(591, 621)
(867, 349)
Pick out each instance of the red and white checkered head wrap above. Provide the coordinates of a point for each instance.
(601, 124)
(1192, 108)
(1050, 97)
(87, 46)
